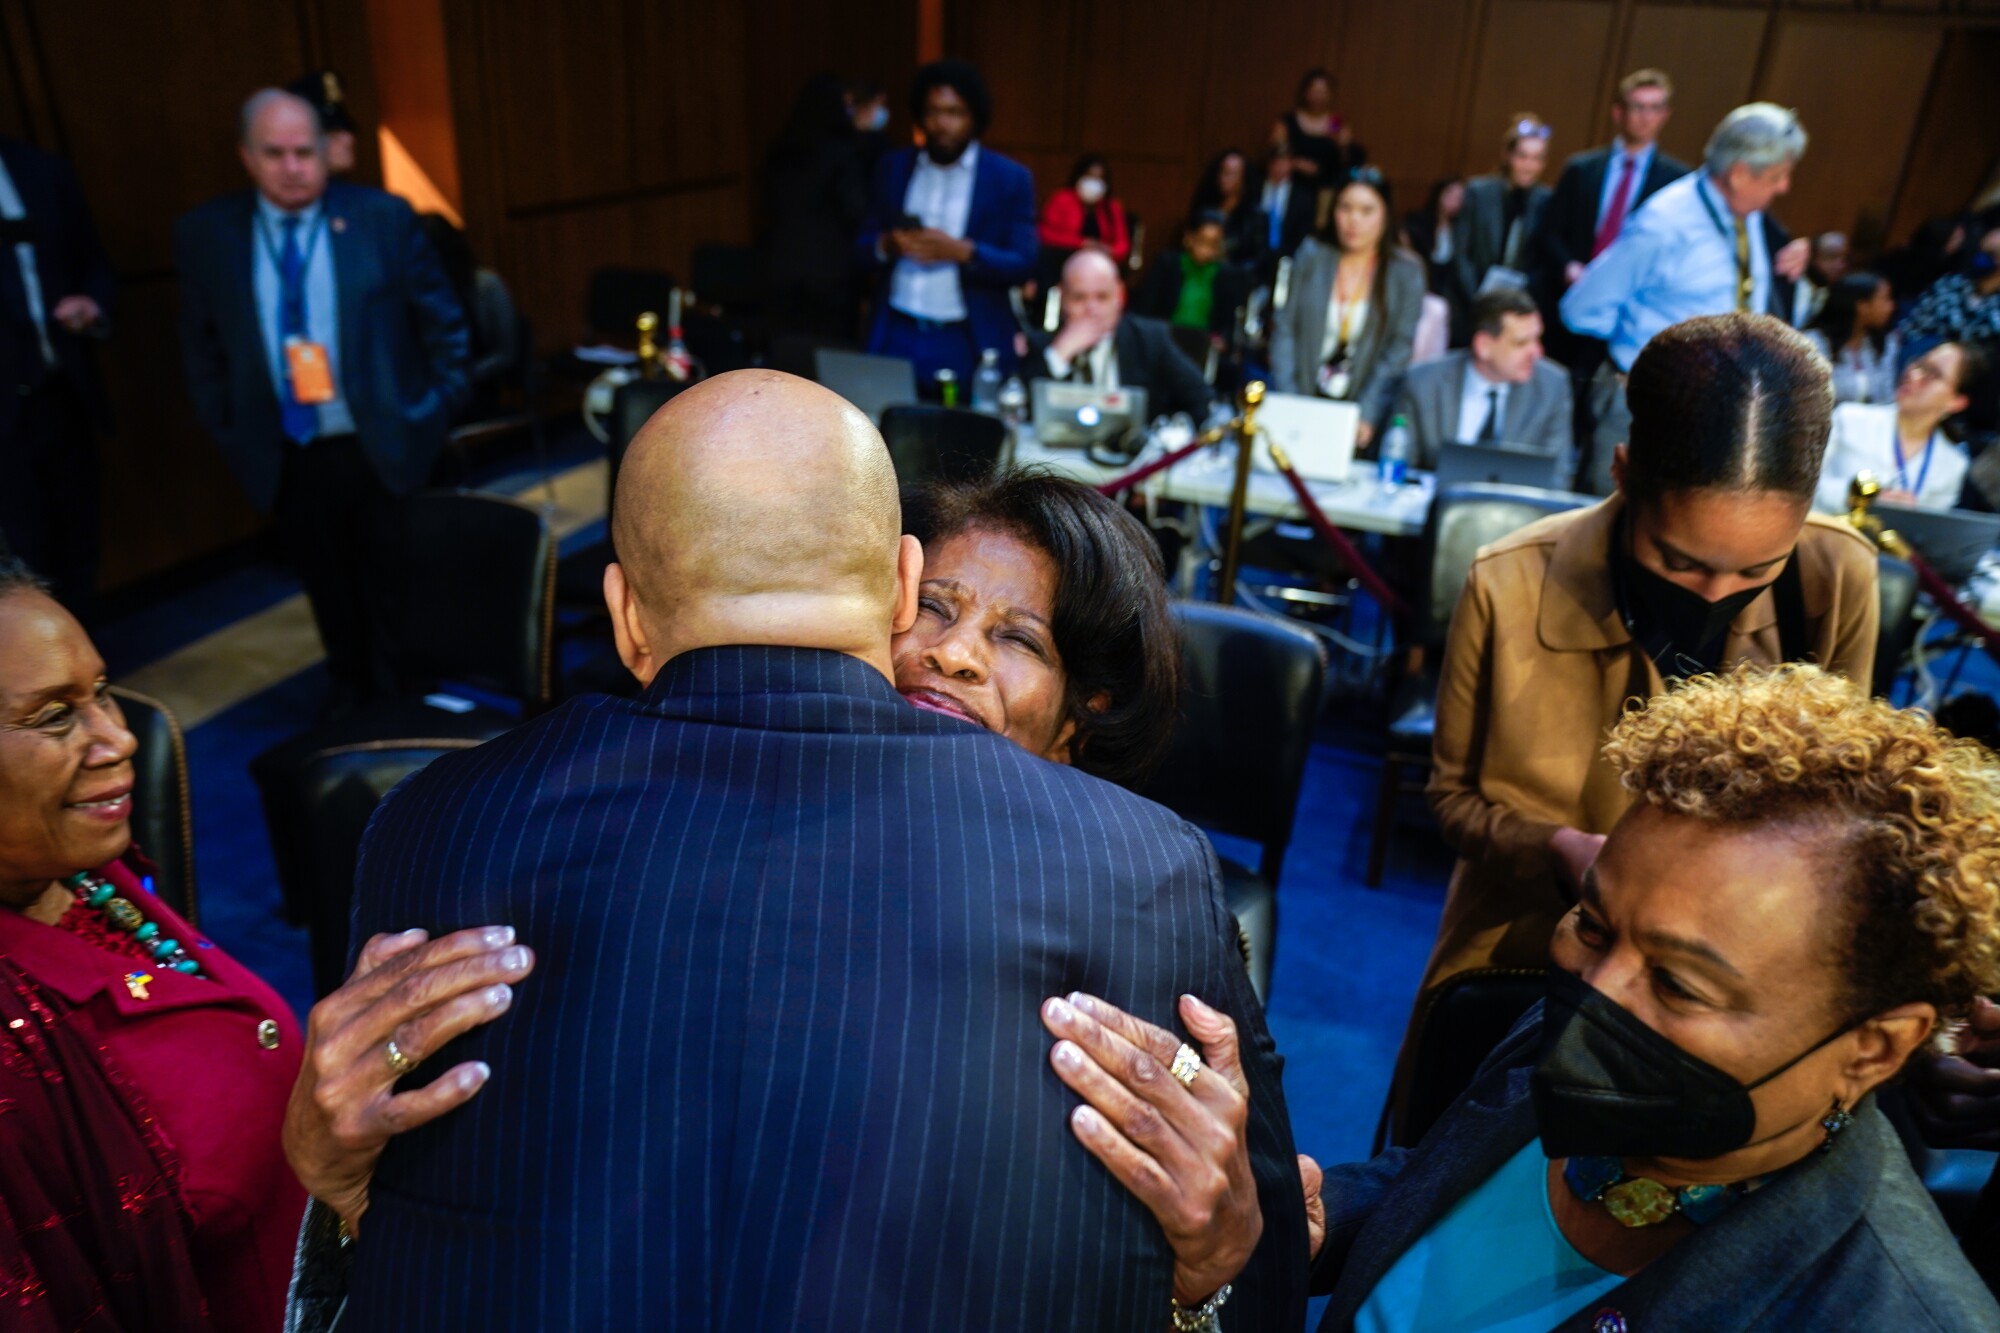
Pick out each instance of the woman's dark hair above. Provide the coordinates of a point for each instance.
(1835, 320)
(15, 576)
(1436, 195)
(1083, 166)
(1208, 191)
(819, 115)
(961, 78)
(1975, 376)
(1207, 217)
(1307, 80)
(1735, 402)
(1113, 624)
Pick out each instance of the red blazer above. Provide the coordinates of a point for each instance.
(1062, 224)
(195, 1054)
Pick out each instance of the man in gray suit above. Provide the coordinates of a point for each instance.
(1501, 391)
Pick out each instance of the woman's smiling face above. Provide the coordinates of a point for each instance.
(983, 648)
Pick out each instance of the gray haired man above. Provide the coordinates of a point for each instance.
(1701, 246)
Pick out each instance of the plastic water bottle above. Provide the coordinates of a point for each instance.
(1013, 401)
(1393, 460)
(986, 382)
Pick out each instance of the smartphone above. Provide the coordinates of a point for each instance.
(907, 222)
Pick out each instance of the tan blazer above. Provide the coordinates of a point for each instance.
(1537, 667)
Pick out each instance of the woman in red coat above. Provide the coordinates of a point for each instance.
(143, 1072)
(1084, 212)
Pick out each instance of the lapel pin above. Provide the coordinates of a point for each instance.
(136, 983)
(1608, 1321)
(340, 224)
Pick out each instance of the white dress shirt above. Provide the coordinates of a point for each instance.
(1864, 440)
(24, 257)
(1277, 198)
(940, 197)
(1675, 259)
(1101, 359)
(1473, 405)
(267, 242)
(1864, 376)
(1615, 168)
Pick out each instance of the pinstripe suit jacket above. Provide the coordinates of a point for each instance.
(781, 1064)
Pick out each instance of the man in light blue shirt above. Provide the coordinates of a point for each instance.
(1700, 246)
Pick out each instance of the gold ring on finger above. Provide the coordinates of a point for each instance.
(403, 1064)
(1185, 1066)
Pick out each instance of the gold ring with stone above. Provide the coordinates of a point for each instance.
(399, 1062)
(1186, 1065)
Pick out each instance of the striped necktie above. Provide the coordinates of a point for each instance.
(1745, 282)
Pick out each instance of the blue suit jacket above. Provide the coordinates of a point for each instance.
(1845, 1239)
(404, 344)
(69, 261)
(781, 1063)
(1000, 224)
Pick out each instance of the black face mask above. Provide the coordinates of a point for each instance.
(1609, 1086)
(1681, 631)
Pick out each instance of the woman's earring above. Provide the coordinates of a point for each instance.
(1833, 1122)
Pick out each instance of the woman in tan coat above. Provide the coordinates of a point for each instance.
(1707, 555)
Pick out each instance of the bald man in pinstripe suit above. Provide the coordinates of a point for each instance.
(781, 1065)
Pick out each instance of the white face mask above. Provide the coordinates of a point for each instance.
(1090, 189)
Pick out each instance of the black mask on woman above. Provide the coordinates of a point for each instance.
(1609, 1086)
(1681, 631)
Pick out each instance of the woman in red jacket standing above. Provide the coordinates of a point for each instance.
(1084, 213)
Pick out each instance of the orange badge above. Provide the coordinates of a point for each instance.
(312, 375)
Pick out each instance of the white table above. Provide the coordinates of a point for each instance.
(1207, 477)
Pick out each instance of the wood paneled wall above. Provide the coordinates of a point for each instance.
(628, 131)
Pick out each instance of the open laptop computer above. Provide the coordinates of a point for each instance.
(1951, 540)
(1316, 433)
(871, 383)
(1084, 416)
(1510, 465)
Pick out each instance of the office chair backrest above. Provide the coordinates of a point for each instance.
(1462, 520)
(1896, 586)
(941, 443)
(1250, 706)
(1463, 1019)
(162, 812)
(618, 296)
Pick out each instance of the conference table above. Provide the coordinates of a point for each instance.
(1207, 477)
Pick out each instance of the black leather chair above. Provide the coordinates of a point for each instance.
(1462, 520)
(506, 373)
(798, 353)
(1198, 347)
(1896, 585)
(1238, 758)
(336, 790)
(470, 603)
(729, 279)
(617, 297)
(162, 813)
(1463, 1019)
(941, 443)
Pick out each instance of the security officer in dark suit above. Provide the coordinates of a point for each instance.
(56, 290)
(325, 352)
(323, 88)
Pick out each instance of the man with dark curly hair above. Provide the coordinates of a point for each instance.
(951, 227)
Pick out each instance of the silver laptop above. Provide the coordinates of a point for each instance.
(1510, 465)
(1950, 540)
(871, 383)
(1083, 416)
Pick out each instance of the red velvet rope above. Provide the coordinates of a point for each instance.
(1946, 597)
(1337, 539)
(1137, 475)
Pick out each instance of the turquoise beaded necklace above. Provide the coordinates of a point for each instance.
(102, 896)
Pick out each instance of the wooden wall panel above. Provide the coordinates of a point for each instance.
(1400, 63)
(1711, 55)
(1523, 41)
(1957, 143)
(1858, 84)
(1027, 52)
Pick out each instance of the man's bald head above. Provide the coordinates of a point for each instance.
(758, 507)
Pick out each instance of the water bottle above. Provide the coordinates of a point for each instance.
(986, 382)
(1393, 459)
(1013, 401)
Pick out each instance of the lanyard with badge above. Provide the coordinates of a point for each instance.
(1923, 472)
(306, 365)
(1737, 240)
(1336, 375)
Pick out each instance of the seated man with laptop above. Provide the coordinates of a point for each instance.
(1098, 344)
(1497, 393)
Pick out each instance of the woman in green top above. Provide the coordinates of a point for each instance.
(1195, 288)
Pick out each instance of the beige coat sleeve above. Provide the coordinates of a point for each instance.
(1477, 828)
(1856, 618)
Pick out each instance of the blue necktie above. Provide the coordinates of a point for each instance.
(301, 420)
(1277, 226)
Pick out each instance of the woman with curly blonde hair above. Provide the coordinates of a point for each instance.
(1683, 1135)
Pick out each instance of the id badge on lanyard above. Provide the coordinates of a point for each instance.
(308, 369)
